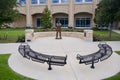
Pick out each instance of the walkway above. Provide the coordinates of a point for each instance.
(71, 71)
(117, 31)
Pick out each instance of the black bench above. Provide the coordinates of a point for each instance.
(28, 53)
(104, 52)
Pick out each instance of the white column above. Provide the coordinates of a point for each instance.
(71, 13)
(48, 2)
(28, 16)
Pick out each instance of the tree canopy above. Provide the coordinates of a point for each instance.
(108, 11)
(8, 13)
(46, 18)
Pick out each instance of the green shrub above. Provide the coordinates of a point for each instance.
(96, 38)
(94, 28)
(21, 38)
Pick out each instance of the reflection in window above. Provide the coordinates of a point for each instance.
(34, 2)
(42, 1)
(63, 21)
(78, 0)
(23, 2)
(88, 0)
(82, 1)
(55, 1)
(64, 1)
(59, 1)
(37, 2)
(82, 22)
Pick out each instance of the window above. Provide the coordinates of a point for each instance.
(34, 1)
(23, 2)
(83, 1)
(63, 21)
(64, 1)
(37, 2)
(59, 1)
(82, 22)
(38, 22)
(78, 1)
(55, 1)
(42, 1)
(88, 0)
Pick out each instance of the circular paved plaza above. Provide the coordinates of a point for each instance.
(72, 70)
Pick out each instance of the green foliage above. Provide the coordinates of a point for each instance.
(8, 13)
(107, 12)
(21, 38)
(5, 71)
(46, 19)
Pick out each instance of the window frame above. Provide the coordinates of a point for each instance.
(34, 1)
(82, 1)
(39, 2)
(82, 22)
(60, 2)
(65, 21)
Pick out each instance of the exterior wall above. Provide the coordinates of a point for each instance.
(60, 9)
(36, 9)
(71, 9)
(83, 8)
(22, 9)
(20, 22)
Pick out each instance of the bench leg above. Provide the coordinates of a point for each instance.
(50, 68)
(92, 66)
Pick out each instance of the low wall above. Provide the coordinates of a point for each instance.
(53, 34)
(86, 35)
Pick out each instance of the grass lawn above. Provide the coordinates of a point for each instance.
(118, 52)
(117, 76)
(5, 71)
(103, 36)
(12, 35)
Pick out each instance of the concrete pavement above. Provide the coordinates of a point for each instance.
(73, 70)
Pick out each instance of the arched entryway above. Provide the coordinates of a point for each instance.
(63, 17)
(83, 20)
(20, 21)
(36, 20)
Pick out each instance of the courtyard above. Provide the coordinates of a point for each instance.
(67, 46)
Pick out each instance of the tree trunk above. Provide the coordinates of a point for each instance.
(110, 31)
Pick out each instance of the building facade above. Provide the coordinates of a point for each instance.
(72, 13)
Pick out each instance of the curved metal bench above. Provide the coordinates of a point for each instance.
(104, 52)
(27, 52)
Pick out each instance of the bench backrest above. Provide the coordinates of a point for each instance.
(108, 52)
(24, 49)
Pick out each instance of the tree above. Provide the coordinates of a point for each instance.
(107, 13)
(8, 13)
(46, 19)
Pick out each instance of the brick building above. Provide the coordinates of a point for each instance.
(73, 13)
